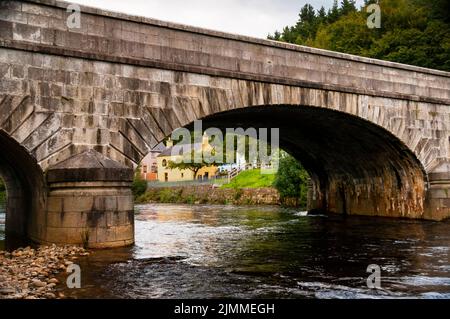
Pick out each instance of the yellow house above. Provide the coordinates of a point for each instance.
(165, 174)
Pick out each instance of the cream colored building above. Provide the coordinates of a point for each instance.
(165, 174)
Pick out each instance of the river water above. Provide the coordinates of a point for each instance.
(269, 252)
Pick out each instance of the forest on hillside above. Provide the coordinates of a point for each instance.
(415, 32)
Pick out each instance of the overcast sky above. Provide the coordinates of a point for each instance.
(255, 18)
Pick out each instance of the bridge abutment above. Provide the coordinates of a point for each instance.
(438, 197)
(90, 202)
(384, 195)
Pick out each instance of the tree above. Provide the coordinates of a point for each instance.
(276, 36)
(322, 15)
(415, 32)
(334, 12)
(347, 6)
(139, 186)
(306, 27)
(292, 182)
(349, 35)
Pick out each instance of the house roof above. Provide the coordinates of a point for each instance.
(159, 148)
(180, 149)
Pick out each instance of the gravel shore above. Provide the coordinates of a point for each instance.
(29, 273)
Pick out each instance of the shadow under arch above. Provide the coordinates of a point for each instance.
(356, 166)
(26, 192)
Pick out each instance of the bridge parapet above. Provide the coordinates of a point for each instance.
(41, 26)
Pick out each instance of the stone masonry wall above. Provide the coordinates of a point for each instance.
(207, 194)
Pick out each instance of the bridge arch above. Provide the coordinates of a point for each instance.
(357, 167)
(26, 191)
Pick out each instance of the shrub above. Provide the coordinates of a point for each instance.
(292, 182)
(191, 199)
(167, 195)
(238, 192)
(139, 185)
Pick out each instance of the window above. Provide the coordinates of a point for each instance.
(144, 169)
(182, 175)
(164, 163)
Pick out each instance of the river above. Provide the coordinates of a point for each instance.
(269, 252)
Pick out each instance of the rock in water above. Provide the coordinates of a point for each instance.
(38, 283)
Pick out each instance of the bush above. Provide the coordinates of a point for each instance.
(170, 196)
(151, 196)
(191, 199)
(139, 185)
(292, 182)
(238, 192)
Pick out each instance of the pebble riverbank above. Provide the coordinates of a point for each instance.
(29, 273)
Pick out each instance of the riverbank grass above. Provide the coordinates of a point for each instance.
(251, 179)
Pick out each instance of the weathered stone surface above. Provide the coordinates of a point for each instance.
(90, 214)
(89, 166)
(84, 194)
(208, 194)
(374, 135)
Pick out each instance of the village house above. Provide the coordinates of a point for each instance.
(166, 174)
(149, 165)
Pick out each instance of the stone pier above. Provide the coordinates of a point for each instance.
(90, 202)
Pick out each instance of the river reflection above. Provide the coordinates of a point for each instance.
(269, 252)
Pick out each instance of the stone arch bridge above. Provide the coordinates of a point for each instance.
(80, 107)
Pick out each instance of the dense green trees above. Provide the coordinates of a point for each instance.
(414, 32)
(291, 182)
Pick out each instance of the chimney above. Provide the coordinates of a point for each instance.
(169, 143)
